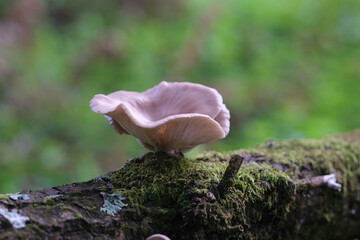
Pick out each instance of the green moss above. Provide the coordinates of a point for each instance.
(173, 189)
(34, 227)
(213, 156)
(19, 235)
(176, 185)
(160, 178)
(308, 158)
(78, 215)
(48, 199)
(89, 208)
(52, 199)
(63, 207)
(4, 196)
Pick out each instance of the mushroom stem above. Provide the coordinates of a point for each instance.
(230, 174)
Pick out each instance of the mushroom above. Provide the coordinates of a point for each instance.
(158, 237)
(170, 117)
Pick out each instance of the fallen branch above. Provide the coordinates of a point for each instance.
(302, 189)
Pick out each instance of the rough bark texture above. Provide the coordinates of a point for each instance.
(280, 192)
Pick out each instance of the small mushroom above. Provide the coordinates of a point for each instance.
(158, 237)
(170, 117)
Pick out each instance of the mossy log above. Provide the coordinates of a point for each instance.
(300, 189)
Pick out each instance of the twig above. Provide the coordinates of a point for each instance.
(329, 180)
(245, 194)
(230, 174)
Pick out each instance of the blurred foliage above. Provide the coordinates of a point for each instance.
(285, 69)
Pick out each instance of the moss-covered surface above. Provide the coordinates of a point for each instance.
(178, 197)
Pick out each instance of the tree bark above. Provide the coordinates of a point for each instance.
(301, 189)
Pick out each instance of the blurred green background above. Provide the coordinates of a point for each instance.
(286, 69)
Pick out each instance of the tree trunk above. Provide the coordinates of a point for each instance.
(301, 189)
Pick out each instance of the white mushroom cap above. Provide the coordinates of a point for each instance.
(174, 116)
(158, 237)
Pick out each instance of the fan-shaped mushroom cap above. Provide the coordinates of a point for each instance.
(174, 116)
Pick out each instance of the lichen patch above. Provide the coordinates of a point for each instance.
(112, 203)
(19, 196)
(16, 220)
(331, 182)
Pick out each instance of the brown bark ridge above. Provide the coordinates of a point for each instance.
(299, 189)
